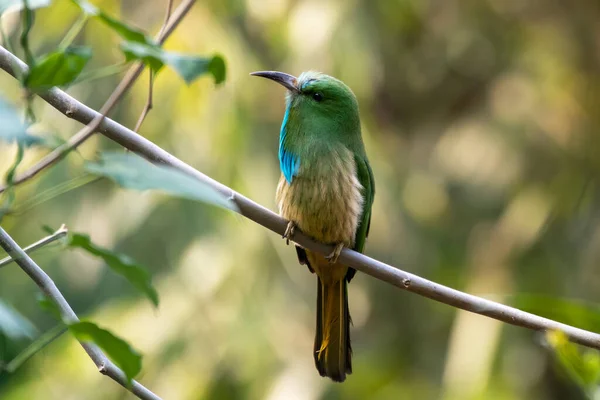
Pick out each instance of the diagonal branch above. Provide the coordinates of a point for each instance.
(87, 131)
(261, 215)
(45, 283)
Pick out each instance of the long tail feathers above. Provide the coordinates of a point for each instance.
(332, 351)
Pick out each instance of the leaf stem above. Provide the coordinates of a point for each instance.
(73, 32)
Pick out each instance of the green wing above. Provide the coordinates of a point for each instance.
(365, 177)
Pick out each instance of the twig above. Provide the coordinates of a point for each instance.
(167, 16)
(149, 103)
(45, 283)
(61, 152)
(261, 215)
(60, 233)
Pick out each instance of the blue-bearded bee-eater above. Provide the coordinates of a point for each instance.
(326, 190)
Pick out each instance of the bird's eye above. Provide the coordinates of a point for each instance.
(317, 96)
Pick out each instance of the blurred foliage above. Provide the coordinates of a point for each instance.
(132, 171)
(583, 366)
(137, 275)
(481, 122)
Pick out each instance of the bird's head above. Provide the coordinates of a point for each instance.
(318, 99)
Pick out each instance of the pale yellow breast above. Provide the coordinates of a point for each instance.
(325, 206)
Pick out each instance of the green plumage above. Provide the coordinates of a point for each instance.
(327, 191)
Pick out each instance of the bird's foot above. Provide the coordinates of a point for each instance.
(333, 257)
(289, 231)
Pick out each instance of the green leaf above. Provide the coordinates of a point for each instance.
(151, 55)
(582, 366)
(118, 350)
(13, 324)
(13, 129)
(133, 172)
(125, 31)
(138, 276)
(58, 68)
(17, 5)
(189, 67)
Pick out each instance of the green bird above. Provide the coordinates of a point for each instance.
(326, 190)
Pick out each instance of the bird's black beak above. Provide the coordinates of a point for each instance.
(288, 81)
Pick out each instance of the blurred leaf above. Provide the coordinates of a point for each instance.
(118, 350)
(13, 324)
(119, 263)
(125, 31)
(581, 366)
(133, 172)
(17, 5)
(187, 66)
(13, 129)
(191, 67)
(58, 68)
(49, 306)
(151, 55)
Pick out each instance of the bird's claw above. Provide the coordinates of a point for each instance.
(333, 257)
(289, 232)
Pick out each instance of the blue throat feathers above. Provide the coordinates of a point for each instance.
(289, 163)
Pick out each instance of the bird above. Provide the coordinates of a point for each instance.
(326, 190)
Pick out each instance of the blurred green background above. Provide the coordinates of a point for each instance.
(481, 122)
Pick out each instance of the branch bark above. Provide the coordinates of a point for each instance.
(261, 215)
(46, 284)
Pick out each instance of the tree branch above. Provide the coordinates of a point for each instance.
(45, 283)
(60, 233)
(91, 127)
(261, 215)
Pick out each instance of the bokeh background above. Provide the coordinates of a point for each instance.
(481, 122)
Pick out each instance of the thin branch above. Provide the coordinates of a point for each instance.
(167, 17)
(59, 234)
(45, 283)
(261, 215)
(86, 132)
(149, 104)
